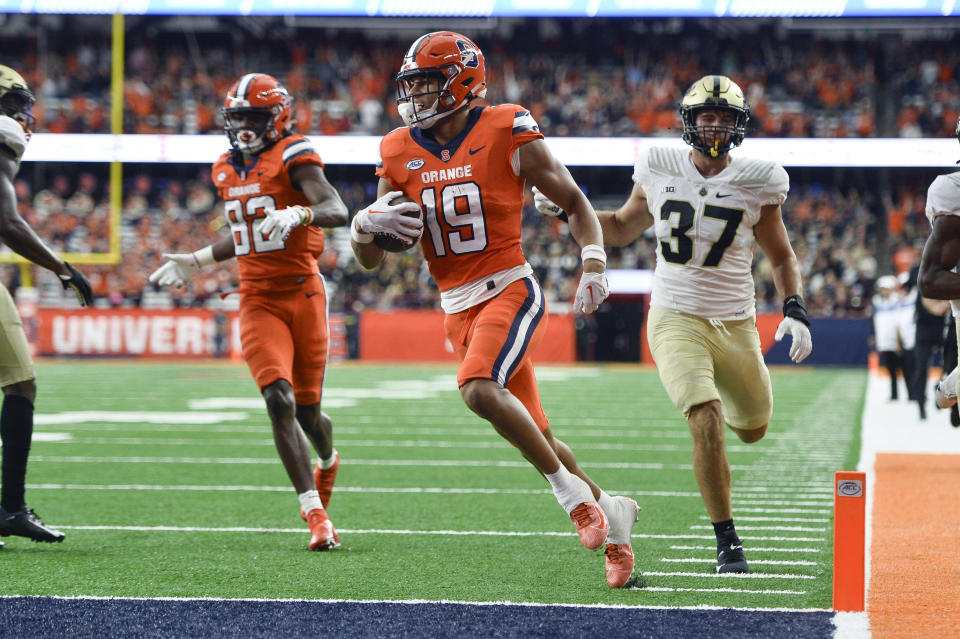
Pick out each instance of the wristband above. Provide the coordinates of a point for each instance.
(794, 307)
(593, 252)
(306, 214)
(359, 236)
(204, 256)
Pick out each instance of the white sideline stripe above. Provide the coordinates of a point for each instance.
(797, 511)
(780, 528)
(801, 520)
(372, 531)
(728, 575)
(353, 489)
(339, 489)
(80, 459)
(752, 549)
(356, 462)
(730, 590)
(342, 442)
(766, 562)
(418, 602)
(137, 417)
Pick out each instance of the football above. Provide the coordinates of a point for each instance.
(393, 243)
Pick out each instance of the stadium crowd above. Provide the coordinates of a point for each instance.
(800, 84)
(834, 232)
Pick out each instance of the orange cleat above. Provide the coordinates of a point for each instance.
(324, 478)
(619, 554)
(591, 523)
(618, 564)
(322, 534)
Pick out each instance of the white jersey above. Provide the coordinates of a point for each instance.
(704, 227)
(943, 198)
(12, 136)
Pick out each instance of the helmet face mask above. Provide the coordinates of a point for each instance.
(441, 73)
(257, 112)
(16, 99)
(717, 98)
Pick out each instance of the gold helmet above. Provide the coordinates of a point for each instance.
(16, 98)
(714, 92)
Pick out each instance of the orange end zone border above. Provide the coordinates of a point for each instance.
(915, 565)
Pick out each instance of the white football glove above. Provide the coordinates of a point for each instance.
(383, 217)
(283, 221)
(591, 291)
(178, 268)
(545, 205)
(802, 342)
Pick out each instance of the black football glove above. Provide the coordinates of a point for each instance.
(78, 284)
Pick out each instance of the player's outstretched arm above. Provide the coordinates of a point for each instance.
(772, 237)
(546, 173)
(620, 227)
(180, 267)
(17, 234)
(327, 206)
(936, 279)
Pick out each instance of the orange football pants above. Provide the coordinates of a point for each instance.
(493, 340)
(283, 334)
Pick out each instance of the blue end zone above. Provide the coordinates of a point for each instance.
(27, 617)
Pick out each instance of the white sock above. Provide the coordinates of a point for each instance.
(570, 490)
(949, 384)
(327, 463)
(607, 504)
(310, 500)
(619, 529)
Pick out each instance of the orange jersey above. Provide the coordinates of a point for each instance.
(248, 190)
(470, 192)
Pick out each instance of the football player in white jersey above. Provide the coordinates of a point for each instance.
(938, 278)
(17, 376)
(707, 209)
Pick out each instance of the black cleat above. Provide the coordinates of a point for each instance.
(25, 523)
(954, 416)
(730, 558)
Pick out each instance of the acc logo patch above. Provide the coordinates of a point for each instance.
(221, 176)
(850, 488)
(415, 164)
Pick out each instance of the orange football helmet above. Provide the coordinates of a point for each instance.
(258, 111)
(444, 69)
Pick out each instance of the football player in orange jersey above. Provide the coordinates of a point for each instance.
(276, 199)
(467, 166)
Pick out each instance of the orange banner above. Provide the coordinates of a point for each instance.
(181, 333)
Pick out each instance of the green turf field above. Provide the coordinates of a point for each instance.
(165, 479)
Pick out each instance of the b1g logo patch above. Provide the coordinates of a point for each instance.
(415, 164)
(445, 155)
